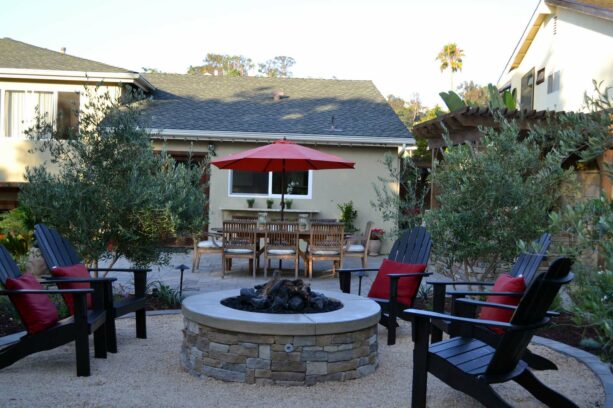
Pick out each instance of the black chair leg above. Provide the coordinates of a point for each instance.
(537, 362)
(141, 324)
(111, 334)
(100, 344)
(420, 363)
(543, 393)
(391, 330)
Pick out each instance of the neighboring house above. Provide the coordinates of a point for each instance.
(208, 115)
(566, 45)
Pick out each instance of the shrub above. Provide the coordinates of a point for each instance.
(493, 195)
(348, 216)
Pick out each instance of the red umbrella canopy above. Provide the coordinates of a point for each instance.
(282, 155)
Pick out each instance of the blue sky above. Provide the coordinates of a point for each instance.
(394, 43)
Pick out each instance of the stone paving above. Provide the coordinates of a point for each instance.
(208, 277)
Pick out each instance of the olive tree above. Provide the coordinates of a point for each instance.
(494, 195)
(110, 194)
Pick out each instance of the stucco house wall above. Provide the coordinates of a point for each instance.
(15, 153)
(329, 187)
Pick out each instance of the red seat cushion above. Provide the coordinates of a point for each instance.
(504, 283)
(37, 311)
(407, 287)
(74, 271)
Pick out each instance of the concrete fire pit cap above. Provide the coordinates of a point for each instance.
(357, 313)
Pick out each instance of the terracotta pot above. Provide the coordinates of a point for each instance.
(374, 247)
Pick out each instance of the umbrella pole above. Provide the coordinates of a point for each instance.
(282, 201)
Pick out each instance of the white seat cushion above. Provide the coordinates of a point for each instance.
(322, 252)
(281, 251)
(354, 248)
(238, 251)
(209, 244)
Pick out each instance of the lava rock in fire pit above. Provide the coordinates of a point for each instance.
(282, 296)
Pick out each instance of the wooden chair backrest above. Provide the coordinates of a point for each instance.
(527, 264)
(531, 310)
(56, 250)
(8, 267)
(325, 221)
(367, 231)
(239, 234)
(413, 247)
(282, 235)
(326, 237)
(244, 218)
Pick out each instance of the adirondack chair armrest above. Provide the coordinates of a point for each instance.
(397, 276)
(462, 293)
(549, 313)
(45, 291)
(135, 270)
(357, 270)
(55, 280)
(474, 322)
(447, 283)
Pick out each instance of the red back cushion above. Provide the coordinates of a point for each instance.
(407, 287)
(504, 283)
(74, 271)
(37, 312)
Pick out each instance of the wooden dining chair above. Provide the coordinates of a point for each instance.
(212, 245)
(239, 240)
(325, 244)
(281, 241)
(356, 246)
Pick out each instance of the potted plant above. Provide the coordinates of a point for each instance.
(269, 203)
(288, 204)
(348, 216)
(376, 238)
(250, 202)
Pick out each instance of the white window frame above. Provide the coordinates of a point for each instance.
(270, 194)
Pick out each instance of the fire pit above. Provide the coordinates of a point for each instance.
(287, 349)
(282, 296)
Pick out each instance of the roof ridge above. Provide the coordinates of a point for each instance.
(250, 77)
(65, 54)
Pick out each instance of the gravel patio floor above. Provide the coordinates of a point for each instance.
(147, 373)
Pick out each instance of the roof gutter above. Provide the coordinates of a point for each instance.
(56, 75)
(226, 136)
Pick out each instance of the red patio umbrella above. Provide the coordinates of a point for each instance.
(282, 156)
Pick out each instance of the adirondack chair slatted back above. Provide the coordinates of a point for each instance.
(8, 267)
(527, 264)
(413, 247)
(56, 250)
(531, 310)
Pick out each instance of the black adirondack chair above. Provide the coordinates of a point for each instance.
(470, 365)
(75, 328)
(413, 247)
(57, 251)
(526, 265)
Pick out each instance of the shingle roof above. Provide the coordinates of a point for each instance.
(19, 55)
(247, 104)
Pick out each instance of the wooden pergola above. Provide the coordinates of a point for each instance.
(463, 125)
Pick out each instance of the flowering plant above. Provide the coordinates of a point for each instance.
(377, 234)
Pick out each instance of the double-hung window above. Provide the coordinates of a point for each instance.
(250, 183)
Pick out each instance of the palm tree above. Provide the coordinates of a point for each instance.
(451, 57)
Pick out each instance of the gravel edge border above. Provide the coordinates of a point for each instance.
(602, 371)
(599, 368)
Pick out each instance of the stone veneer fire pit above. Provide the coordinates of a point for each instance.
(286, 349)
